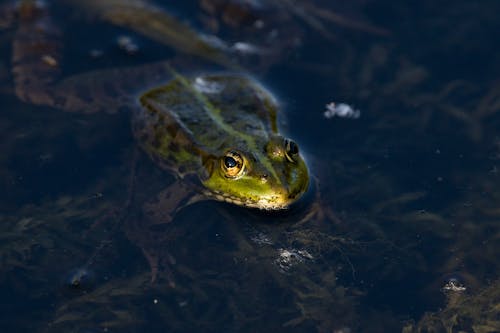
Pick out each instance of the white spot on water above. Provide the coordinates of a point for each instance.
(454, 285)
(341, 110)
(288, 258)
(127, 44)
(246, 48)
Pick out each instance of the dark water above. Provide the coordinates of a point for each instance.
(408, 192)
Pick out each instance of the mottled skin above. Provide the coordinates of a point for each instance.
(191, 126)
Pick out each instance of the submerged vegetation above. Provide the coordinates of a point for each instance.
(406, 195)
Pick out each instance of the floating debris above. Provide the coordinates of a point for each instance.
(206, 86)
(287, 258)
(341, 110)
(454, 285)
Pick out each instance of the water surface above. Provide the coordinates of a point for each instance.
(409, 190)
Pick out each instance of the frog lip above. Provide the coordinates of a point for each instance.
(274, 202)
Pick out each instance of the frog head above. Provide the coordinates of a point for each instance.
(271, 177)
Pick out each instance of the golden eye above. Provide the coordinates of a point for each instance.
(233, 164)
(291, 150)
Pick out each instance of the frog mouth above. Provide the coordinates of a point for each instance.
(271, 202)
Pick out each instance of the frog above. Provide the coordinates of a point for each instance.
(242, 159)
(217, 134)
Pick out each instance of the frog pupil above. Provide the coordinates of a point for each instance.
(229, 162)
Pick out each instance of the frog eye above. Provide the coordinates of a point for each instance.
(291, 150)
(232, 164)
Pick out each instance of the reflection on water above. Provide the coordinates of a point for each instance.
(399, 234)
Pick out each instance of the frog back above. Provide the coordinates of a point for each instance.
(186, 122)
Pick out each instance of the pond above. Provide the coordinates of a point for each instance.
(395, 108)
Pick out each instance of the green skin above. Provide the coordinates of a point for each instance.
(190, 126)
